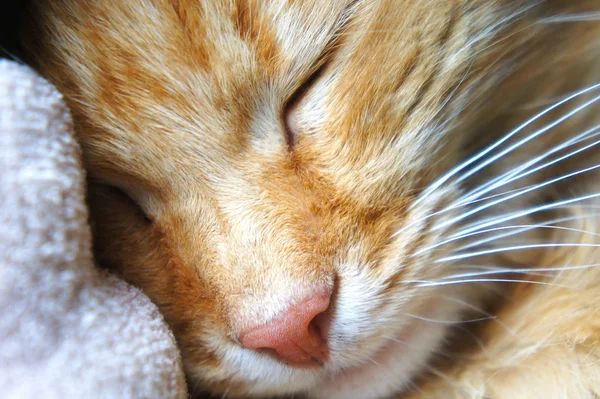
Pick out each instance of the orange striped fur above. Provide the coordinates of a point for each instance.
(241, 150)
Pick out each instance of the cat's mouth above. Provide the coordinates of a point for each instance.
(403, 354)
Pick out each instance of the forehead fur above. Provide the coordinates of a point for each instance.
(188, 85)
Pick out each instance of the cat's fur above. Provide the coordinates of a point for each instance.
(240, 151)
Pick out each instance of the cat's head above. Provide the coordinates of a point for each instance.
(266, 172)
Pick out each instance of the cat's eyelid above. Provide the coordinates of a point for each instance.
(123, 193)
(288, 122)
(315, 72)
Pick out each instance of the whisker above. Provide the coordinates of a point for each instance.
(588, 16)
(439, 182)
(415, 387)
(475, 308)
(528, 139)
(373, 361)
(522, 227)
(444, 210)
(394, 339)
(509, 18)
(447, 321)
(515, 195)
(466, 304)
(425, 283)
(515, 215)
(11, 56)
(504, 270)
(509, 176)
(446, 378)
(541, 275)
(526, 228)
(515, 248)
(488, 197)
(437, 352)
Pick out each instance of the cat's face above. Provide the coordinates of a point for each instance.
(276, 155)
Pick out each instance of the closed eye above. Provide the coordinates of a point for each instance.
(290, 122)
(134, 208)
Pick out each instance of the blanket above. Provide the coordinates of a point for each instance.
(67, 328)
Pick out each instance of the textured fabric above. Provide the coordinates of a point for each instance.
(67, 329)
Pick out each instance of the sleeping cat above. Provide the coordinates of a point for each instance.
(346, 199)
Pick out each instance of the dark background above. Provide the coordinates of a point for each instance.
(10, 20)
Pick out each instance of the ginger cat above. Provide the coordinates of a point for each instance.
(346, 199)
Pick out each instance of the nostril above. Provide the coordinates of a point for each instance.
(298, 335)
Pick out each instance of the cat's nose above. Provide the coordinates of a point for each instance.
(298, 335)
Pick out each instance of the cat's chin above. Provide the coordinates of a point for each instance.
(390, 369)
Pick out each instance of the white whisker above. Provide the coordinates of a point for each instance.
(393, 339)
(425, 283)
(444, 210)
(477, 309)
(466, 305)
(521, 228)
(511, 17)
(495, 271)
(515, 195)
(504, 270)
(528, 138)
(515, 248)
(588, 16)
(528, 227)
(448, 321)
(475, 201)
(515, 215)
(439, 182)
(513, 174)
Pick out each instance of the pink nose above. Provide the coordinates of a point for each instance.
(297, 335)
